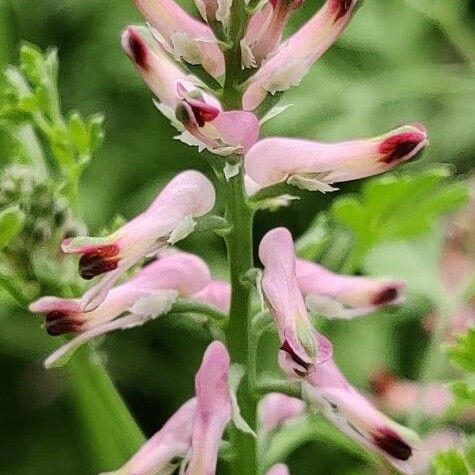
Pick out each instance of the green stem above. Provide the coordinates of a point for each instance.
(240, 257)
(111, 432)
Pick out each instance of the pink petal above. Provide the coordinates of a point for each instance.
(217, 294)
(155, 66)
(362, 294)
(354, 415)
(213, 411)
(279, 469)
(172, 441)
(276, 409)
(299, 339)
(265, 28)
(170, 20)
(296, 56)
(275, 160)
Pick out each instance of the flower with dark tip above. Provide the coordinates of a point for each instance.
(293, 60)
(167, 220)
(317, 166)
(301, 345)
(344, 296)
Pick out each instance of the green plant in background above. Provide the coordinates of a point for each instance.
(355, 235)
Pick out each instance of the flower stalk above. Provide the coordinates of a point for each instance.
(240, 258)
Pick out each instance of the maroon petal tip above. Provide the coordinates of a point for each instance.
(391, 443)
(98, 261)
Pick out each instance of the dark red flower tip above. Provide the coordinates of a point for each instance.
(400, 146)
(99, 261)
(138, 49)
(342, 7)
(295, 358)
(381, 381)
(204, 113)
(388, 295)
(59, 323)
(390, 442)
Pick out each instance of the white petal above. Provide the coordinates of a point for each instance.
(152, 306)
(184, 229)
(311, 183)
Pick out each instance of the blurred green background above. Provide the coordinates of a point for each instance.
(399, 62)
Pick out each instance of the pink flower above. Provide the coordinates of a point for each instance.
(328, 390)
(149, 294)
(185, 273)
(293, 60)
(194, 432)
(264, 31)
(214, 410)
(186, 103)
(167, 220)
(276, 409)
(217, 294)
(344, 296)
(400, 396)
(159, 454)
(183, 36)
(302, 346)
(279, 469)
(317, 166)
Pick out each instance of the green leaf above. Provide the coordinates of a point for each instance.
(78, 133)
(463, 352)
(452, 462)
(11, 224)
(400, 208)
(464, 394)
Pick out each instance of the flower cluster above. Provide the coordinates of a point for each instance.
(186, 64)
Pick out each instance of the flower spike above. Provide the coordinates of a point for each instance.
(183, 36)
(159, 455)
(317, 166)
(168, 219)
(214, 409)
(293, 60)
(344, 296)
(329, 391)
(302, 346)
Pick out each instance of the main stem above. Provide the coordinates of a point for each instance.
(240, 257)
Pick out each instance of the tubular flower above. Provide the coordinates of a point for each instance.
(167, 220)
(329, 391)
(217, 294)
(264, 31)
(344, 296)
(164, 451)
(276, 409)
(317, 166)
(293, 60)
(183, 36)
(279, 469)
(302, 347)
(214, 409)
(183, 100)
(149, 294)
(400, 396)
